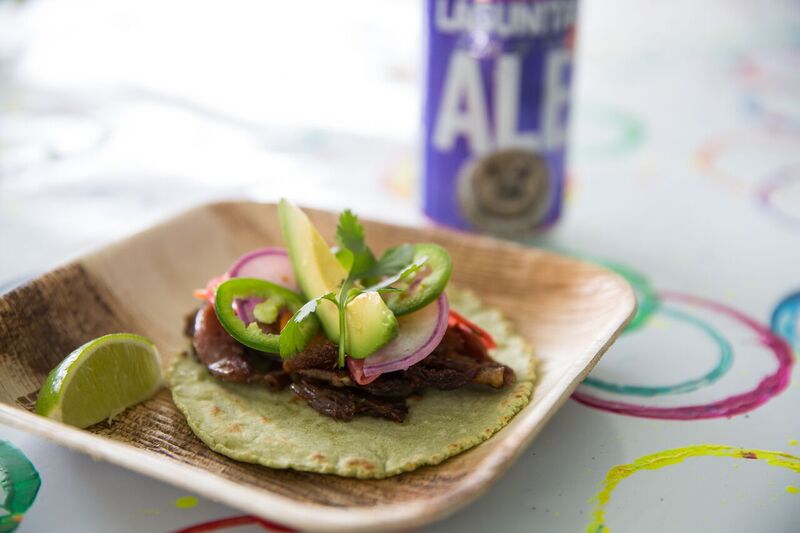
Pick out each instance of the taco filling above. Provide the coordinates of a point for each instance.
(460, 359)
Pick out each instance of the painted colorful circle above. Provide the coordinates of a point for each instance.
(785, 319)
(777, 105)
(772, 82)
(724, 363)
(19, 484)
(768, 387)
(777, 147)
(671, 457)
(616, 132)
(780, 195)
(646, 298)
(235, 521)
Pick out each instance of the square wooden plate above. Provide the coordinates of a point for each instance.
(570, 311)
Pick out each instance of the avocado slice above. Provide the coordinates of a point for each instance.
(370, 323)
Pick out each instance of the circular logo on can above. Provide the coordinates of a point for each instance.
(507, 191)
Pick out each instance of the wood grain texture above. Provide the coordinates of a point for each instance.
(569, 310)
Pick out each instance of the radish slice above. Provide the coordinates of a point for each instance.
(271, 264)
(420, 333)
(356, 367)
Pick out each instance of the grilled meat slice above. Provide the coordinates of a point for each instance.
(459, 359)
(345, 403)
(391, 385)
(335, 403)
(394, 409)
(277, 380)
(320, 353)
(425, 376)
(495, 375)
(224, 357)
(336, 378)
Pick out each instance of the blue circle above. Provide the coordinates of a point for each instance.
(723, 364)
(784, 320)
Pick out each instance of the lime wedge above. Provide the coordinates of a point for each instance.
(101, 379)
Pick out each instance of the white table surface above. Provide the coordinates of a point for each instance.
(685, 167)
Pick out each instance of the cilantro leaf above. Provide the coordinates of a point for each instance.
(350, 232)
(345, 258)
(350, 236)
(302, 327)
(385, 284)
(392, 261)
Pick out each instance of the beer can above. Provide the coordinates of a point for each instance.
(497, 95)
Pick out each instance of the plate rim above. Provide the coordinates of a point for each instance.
(262, 502)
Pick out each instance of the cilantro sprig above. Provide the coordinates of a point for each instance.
(365, 273)
(300, 329)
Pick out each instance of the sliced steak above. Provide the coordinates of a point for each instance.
(345, 403)
(424, 376)
(459, 359)
(453, 341)
(277, 380)
(188, 324)
(443, 370)
(391, 385)
(457, 341)
(224, 357)
(336, 378)
(495, 375)
(394, 409)
(335, 403)
(473, 347)
(320, 353)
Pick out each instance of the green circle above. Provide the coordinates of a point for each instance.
(630, 132)
(723, 365)
(646, 297)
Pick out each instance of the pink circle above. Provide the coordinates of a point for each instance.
(785, 177)
(770, 386)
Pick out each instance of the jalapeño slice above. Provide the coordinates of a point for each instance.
(426, 284)
(244, 288)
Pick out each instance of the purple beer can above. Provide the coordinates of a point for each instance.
(498, 76)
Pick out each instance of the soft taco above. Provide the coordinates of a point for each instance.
(336, 361)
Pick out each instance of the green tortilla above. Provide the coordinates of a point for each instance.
(278, 430)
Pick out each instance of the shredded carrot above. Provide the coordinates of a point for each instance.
(200, 294)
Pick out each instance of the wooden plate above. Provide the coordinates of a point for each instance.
(569, 310)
